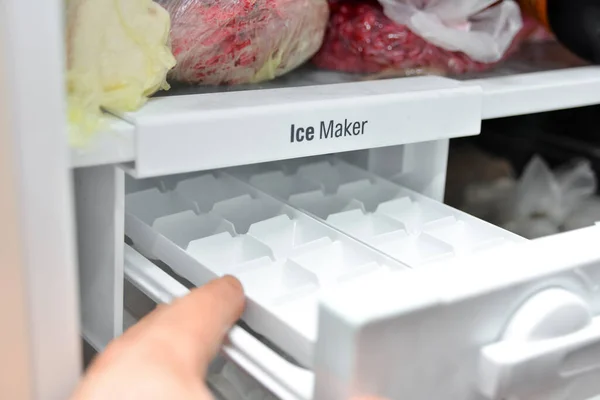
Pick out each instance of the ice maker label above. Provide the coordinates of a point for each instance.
(327, 130)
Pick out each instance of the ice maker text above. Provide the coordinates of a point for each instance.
(327, 130)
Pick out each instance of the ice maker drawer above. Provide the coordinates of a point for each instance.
(293, 231)
(332, 260)
(213, 224)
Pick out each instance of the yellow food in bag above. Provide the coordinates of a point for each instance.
(118, 54)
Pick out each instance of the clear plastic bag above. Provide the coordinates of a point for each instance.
(243, 41)
(451, 36)
(544, 200)
(481, 29)
(587, 214)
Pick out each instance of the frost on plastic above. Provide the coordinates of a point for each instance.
(452, 36)
(117, 56)
(243, 41)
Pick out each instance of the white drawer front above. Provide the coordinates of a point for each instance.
(521, 324)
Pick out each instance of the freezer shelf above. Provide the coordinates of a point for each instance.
(212, 225)
(192, 128)
(399, 222)
(177, 134)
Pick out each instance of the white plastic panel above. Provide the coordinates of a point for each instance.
(39, 298)
(99, 201)
(520, 325)
(213, 224)
(505, 96)
(399, 222)
(204, 131)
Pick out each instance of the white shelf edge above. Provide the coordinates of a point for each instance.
(113, 145)
(534, 92)
(205, 131)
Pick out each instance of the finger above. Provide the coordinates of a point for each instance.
(203, 318)
(193, 327)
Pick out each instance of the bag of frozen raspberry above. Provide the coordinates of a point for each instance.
(243, 41)
(448, 36)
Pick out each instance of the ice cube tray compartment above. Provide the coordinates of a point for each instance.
(378, 212)
(287, 237)
(337, 262)
(282, 186)
(213, 224)
(366, 227)
(244, 211)
(369, 194)
(464, 237)
(225, 254)
(145, 207)
(150, 204)
(184, 227)
(133, 185)
(323, 205)
(413, 214)
(287, 281)
(164, 184)
(416, 250)
(330, 178)
(206, 190)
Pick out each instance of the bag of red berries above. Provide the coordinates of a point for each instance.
(243, 41)
(447, 36)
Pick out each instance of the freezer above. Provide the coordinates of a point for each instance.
(359, 279)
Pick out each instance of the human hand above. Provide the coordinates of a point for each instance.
(166, 355)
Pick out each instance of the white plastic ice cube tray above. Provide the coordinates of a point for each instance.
(213, 224)
(409, 227)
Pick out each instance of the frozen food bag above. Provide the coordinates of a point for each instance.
(117, 56)
(447, 36)
(243, 41)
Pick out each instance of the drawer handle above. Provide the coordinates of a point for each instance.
(283, 379)
(552, 340)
